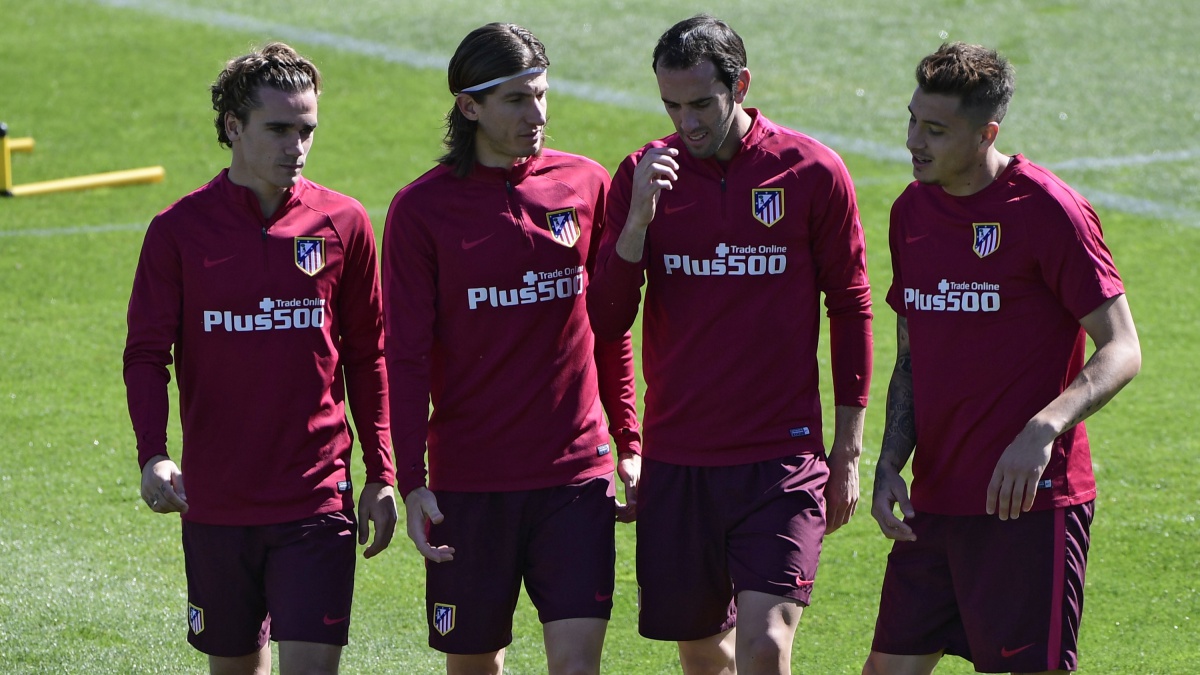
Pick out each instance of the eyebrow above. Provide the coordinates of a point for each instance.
(930, 122)
(698, 101)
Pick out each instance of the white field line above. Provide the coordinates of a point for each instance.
(590, 92)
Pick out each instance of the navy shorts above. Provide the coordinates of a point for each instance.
(1006, 595)
(558, 540)
(705, 534)
(285, 582)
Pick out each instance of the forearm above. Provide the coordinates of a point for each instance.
(1111, 367)
(366, 392)
(900, 426)
(1117, 359)
(848, 431)
(614, 373)
(631, 245)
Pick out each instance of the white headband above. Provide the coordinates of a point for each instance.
(502, 80)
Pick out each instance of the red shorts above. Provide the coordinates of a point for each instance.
(558, 540)
(292, 581)
(1005, 595)
(705, 534)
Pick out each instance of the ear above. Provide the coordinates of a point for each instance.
(989, 133)
(233, 126)
(741, 86)
(468, 106)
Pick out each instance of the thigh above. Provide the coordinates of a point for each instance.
(470, 600)
(1020, 588)
(918, 610)
(227, 608)
(308, 657)
(310, 579)
(685, 592)
(775, 544)
(574, 645)
(570, 552)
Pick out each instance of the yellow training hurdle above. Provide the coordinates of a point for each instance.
(150, 174)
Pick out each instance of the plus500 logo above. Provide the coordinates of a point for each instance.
(276, 315)
(955, 296)
(731, 261)
(539, 287)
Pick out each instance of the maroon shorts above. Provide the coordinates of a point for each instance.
(292, 581)
(558, 540)
(1005, 595)
(705, 534)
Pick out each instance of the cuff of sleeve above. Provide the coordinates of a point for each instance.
(145, 456)
(406, 484)
(628, 440)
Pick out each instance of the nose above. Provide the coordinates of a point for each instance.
(295, 146)
(537, 113)
(916, 139)
(689, 121)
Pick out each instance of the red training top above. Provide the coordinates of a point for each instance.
(993, 286)
(483, 284)
(735, 261)
(273, 321)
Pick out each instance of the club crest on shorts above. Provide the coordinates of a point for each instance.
(195, 619)
(987, 238)
(310, 254)
(768, 205)
(443, 617)
(564, 225)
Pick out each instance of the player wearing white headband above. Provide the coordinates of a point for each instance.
(486, 258)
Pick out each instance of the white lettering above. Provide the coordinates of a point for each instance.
(957, 300)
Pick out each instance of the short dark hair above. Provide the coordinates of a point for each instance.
(702, 38)
(486, 53)
(982, 78)
(276, 65)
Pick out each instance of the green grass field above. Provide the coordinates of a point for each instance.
(91, 582)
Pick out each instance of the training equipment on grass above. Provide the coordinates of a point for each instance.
(149, 174)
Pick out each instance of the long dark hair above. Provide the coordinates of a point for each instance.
(489, 52)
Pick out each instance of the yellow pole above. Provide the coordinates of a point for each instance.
(5, 162)
(21, 144)
(150, 174)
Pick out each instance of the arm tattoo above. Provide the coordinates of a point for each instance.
(900, 429)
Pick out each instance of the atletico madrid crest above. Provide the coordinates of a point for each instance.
(987, 238)
(195, 619)
(443, 617)
(310, 254)
(768, 205)
(564, 226)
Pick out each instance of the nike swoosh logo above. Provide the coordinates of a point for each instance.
(468, 245)
(668, 209)
(910, 239)
(801, 582)
(213, 263)
(1006, 653)
(600, 597)
(333, 622)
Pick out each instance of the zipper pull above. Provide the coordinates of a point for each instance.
(264, 232)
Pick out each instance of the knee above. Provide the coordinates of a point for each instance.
(573, 664)
(706, 658)
(764, 653)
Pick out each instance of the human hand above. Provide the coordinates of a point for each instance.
(421, 509)
(655, 172)
(1015, 479)
(890, 491)
(377, 506)
(162, 486)
(841, 490)
(629, 470)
